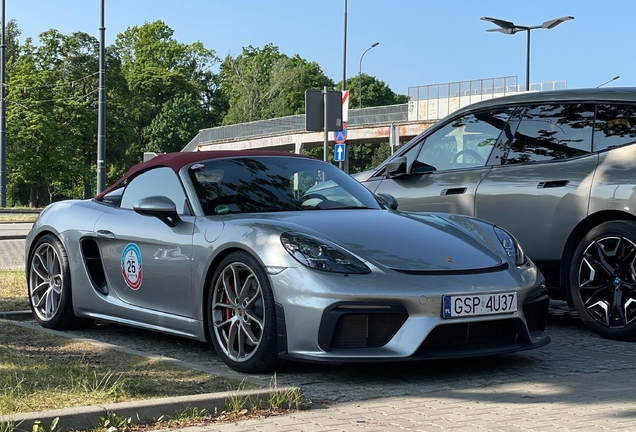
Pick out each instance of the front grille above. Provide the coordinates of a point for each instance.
(472, 332)
(366, 330)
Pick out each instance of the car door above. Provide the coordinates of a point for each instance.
(445, 167)
(539, 186)
(148, 263)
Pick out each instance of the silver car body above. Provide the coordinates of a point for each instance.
(549, 199)
(414, 260)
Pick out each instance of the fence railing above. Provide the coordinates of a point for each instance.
(433, 102)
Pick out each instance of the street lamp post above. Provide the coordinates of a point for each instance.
(609, 81)
(360, 73)
(508, 27)
(360, 95)
(344, 165)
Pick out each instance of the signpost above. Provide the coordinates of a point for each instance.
(323, 112)
(341, 136)
(339, 153)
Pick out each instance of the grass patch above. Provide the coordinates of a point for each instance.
(237, 407)
(8, 217)
(39, 371)
(13, 291)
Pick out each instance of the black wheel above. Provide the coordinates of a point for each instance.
(473, 154)
(241, 315)
(49, 284)
(603, 280)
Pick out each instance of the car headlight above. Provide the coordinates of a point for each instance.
(511, 246)
(320, 254)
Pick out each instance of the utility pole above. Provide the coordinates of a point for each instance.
(344, 164)
(3, 116)
(101, 114)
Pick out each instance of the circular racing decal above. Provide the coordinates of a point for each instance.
(131, 266)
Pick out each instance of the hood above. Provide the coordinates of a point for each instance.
(363, 176)
(400, 241)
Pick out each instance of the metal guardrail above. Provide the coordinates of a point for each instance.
(296, 123)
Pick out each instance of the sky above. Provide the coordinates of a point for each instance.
(421, 42)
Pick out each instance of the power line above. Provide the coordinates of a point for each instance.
(26, 101)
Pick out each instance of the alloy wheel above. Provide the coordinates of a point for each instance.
(238, 312)
(46, 280)
(607, 281)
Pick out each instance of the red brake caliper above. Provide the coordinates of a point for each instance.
(227, 313)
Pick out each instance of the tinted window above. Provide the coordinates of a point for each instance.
(463, 143)
(615, 126)
(158, 181)
(550, 132)
(270, 184)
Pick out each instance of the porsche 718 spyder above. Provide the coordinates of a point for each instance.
(272, 256)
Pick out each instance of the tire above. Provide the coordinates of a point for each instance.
(49, 285)
(603, 280)
(243, 327)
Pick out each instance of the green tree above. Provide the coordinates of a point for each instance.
(164, 75)
(52, 112)
(262, 83)
(166, 132)
(374, 93)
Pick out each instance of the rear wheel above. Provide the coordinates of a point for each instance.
(603, 280)
(241, 315)
(49, 281)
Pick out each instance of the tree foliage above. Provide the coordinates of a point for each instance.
(170, 85)
(374, 93)
(262, 83)
(160, 93)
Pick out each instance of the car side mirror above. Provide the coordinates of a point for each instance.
(396, 168)
(388, 200)
(158, 206)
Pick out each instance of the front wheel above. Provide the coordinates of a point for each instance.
(241, 315)
(603, 280)
(49, 284)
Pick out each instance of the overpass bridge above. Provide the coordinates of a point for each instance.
(386, 124)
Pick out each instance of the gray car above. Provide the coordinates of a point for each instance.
(278, 256)
(557, 170)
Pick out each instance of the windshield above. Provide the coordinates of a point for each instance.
(275, 183)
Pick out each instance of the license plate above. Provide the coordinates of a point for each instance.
(479, 304)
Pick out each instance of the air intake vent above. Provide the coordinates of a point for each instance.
(366, 330)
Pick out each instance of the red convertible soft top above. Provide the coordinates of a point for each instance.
(178, 160)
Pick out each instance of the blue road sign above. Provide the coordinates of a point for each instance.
(341, 136)
(339, 153)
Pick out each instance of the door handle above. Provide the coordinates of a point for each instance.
(453, 191)
(552, 184)
(105, 234)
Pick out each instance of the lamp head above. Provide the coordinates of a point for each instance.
(375, 44)
(555, 22)
(503, 30)
(501, 23)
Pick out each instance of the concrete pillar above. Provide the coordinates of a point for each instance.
(299, 147)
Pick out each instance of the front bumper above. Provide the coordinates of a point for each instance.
(384, 317)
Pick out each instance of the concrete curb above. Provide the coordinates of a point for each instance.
(24, 313)
(88, 417)
(13, 236)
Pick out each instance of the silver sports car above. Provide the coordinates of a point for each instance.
(280, 256)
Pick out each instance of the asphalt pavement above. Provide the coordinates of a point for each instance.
(578, 382)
